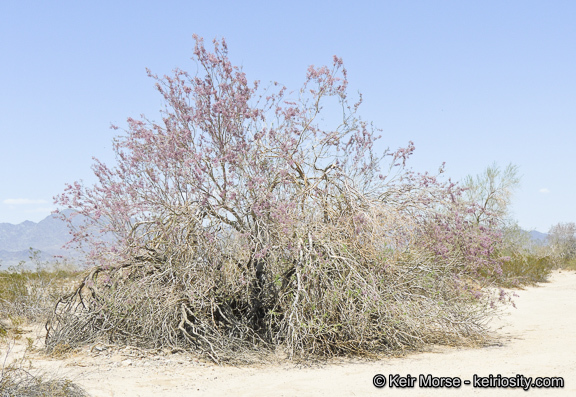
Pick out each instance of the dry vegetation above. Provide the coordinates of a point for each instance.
(17, 381)
(245, 224)
(29, 296)
(236, 236)
(336, 297)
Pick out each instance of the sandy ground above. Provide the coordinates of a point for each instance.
(536, 339)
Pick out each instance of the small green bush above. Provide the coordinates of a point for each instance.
(571, 265)
(526, 269)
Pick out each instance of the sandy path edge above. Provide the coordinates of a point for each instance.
(538, 340)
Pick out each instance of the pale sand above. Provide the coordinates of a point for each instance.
(537, 339)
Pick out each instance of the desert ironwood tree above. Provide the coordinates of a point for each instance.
(243, 222)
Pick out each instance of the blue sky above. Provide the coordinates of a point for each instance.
(471, 83)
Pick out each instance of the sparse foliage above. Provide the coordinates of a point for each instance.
(242, 221)
(562, 240)
(17, 379)
(31, 294)
(491, 194)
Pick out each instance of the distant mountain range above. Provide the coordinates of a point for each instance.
(540, 237)
(47, 236)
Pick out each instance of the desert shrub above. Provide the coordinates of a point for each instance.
(17, 380)
(31, 294)
(520, 260)
(340, 293)
(525, 261)
(525, 269)
(569, 265)
(490, 194)
(244, 221)
(562, 243)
